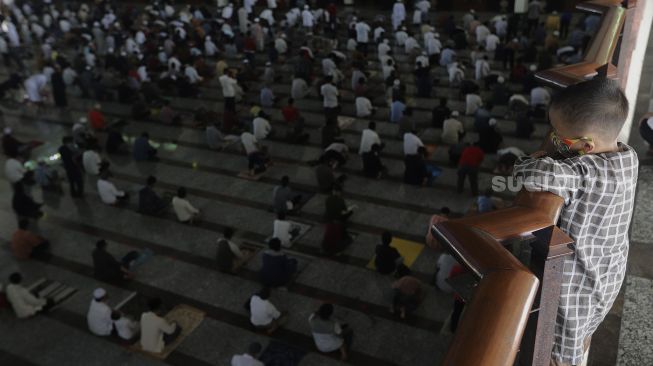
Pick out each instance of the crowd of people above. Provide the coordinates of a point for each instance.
(149, 56)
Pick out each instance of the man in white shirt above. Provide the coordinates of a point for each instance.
(249, 358)
(398, 14)
(91, 161)
(126, 328)
(472, 102)
(299, 88)
(491, 42)
(280, 44)
(362, 35)
(308, 19)
(109, 194)
(400, 37)
(263, 314)
(540, 96)
(482, 68)
(410, 45)
(192, 75)
(383, 48)
(14, 170)
(328, 65)
(369, 138)
(411, 143)
(364, 107)
(250, 143)
(156, 332)
(452, 129)
(229, 89)
(185, 212)
(261, 127)
(481, 33)
(99, 314)
(330, 95)
(284, 230)
(24, 303)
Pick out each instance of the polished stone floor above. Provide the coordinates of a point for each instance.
(182, 268)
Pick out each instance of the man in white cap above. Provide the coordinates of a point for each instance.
(228, 11)
(433, 47)
(472, 102)
(268, 16)
(280, 44)
(99, 314)
(210, 49)
(540, 97)
(452, 129)
(308, 19)
(411, 45)
(491, 42)
(258, 34)
(243, 22)
(362, 35)
(398, 14)
(383, 48)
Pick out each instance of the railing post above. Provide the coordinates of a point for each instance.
(549, 251)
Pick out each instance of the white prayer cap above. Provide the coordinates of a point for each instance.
(501, 80)
(256, 20)
(283, 35)
(305, 6)
(245, 61)
(403, 28)
(208, 38)
(268, 63)
(437, 35)
(556, 33)
(96, 24)
(110, 50)
(82, 120)
(516, 40)
(397, 82)
(455, 114)
(533, 67)
(7, 130)
(99, 293)
(386, 41)
(97, 106)
(492, 122)
(472, 11)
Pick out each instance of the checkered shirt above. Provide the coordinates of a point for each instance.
(598, 192)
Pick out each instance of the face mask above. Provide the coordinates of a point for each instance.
(563, 146)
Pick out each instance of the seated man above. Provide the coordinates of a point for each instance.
(284, 230)
(98, 317)
(372, 165)
(169, 116)
(407, 293)
(387, 258)
(257, 156)
(230, 256)
(185, 212)
(336, 151)
(326, 179)
(24, 303)
(284, 200)
(336, 238)
(143, 150)
(46, 176)
(126, 328)
(107, 268)
(25, 244)
(263, 314)
(149, 202)
(108, 192)
(156, 332)
(278, 269)
(336, 208)
(23, 204)
(115, 143)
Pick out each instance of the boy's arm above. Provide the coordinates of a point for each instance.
(543, 174)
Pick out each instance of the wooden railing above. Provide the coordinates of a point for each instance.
(507, 313)
(599, 54)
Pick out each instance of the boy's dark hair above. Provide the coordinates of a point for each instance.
(181, 192)
(264, 293)
(151, 180)
(275, 244)
(115, 315)
(285, 180)
(15, 278)
(101, 244)
(23, 224)
(593, 105)
(445, 210)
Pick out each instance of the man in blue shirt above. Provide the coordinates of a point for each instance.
(397, 110)
(142, 148)
(482, 117)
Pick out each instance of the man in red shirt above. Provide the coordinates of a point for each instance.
(290, 113)
(470, 160)
(96, 118)
(25, 244)
(296, 134)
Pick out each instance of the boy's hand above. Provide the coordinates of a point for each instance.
(539, 154)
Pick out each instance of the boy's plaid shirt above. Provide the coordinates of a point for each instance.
(599, 192)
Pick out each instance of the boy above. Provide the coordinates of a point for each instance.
(596, 176)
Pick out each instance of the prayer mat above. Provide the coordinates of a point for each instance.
(281, 354)
(344, 122)
(188, 318)
(410, 250)
(54, 291)
(245, 175)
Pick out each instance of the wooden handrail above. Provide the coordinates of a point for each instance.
(496, 316)
(600, 50)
